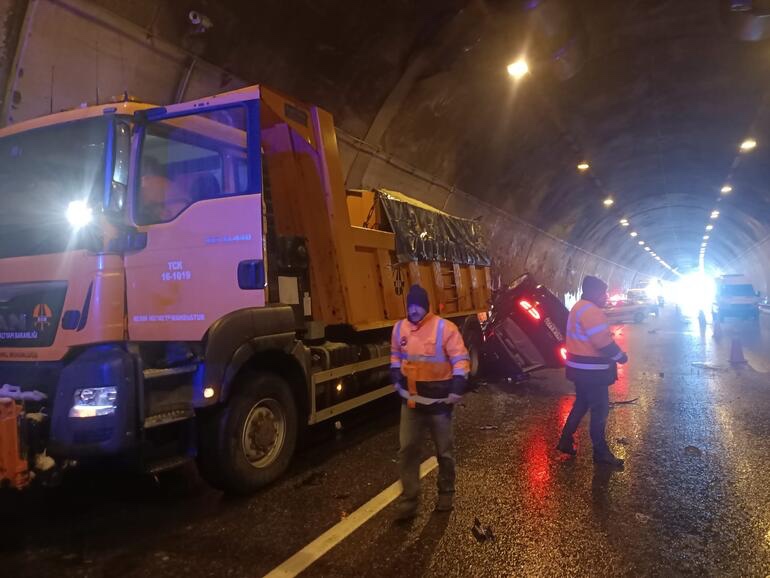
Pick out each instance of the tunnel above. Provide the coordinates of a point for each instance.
(179, 396)
(655, 98)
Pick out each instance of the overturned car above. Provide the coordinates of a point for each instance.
(524, 330)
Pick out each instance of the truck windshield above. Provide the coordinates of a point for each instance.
(42, 171)
(737, 291)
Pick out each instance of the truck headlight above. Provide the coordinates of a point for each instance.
(94, 401)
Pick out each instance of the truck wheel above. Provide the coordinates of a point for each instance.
(638, 317)
(471, 333)
(249, 442)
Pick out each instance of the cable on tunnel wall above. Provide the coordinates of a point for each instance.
(376, 152)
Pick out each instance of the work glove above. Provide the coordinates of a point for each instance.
(623, 358)
(459, 385)
(397, 378)
(453, 398)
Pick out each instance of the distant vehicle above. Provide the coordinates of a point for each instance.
(523, 331)
(635, 307)
(735, 296)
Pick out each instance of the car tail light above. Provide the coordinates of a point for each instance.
(529, 308)
(563, 353)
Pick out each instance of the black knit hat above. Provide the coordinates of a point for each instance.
(592, 284)
(418, 296)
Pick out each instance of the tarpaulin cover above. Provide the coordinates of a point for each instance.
(426, 234)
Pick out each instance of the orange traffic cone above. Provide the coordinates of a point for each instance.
(736, 353)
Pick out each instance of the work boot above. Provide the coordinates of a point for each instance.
(566, 447)
(608, 458)
(445, 503)
(406, 510)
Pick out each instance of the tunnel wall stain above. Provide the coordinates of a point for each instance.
(77, 52)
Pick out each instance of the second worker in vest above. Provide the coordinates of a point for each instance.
(429, 365)
(592, 358)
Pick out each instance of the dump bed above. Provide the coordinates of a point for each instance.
(400, 241)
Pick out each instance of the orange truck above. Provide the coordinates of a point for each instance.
(194, 282)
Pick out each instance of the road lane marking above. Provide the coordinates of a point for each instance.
(337, 533)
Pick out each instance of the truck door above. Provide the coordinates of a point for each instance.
(196, 203)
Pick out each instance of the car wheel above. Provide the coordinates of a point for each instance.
(638, 317)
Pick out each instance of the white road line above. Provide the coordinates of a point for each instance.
(337, 533)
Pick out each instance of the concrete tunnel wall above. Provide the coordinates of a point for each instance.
(59, 54)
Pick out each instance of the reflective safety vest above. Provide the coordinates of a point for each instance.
(591, 352)
(428, 354)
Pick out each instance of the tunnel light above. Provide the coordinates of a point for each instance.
(624, 222)
(727, 189)
(705, 237)
(641, 243)
(634, 233)
(79, 214)
(647, 249)
(748, 145)
(208, 392)
(608, 202)
(715, 214)
(709, 227)
(518, 69)
(584, 166)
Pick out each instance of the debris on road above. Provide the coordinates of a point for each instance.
(693, 451)
(313, 479)
(482, 533)
(703, 365)
(624, 401)
(642, 518)
(488, 427)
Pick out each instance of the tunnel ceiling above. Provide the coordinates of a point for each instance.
(656, 95)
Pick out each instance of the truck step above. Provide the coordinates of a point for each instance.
(168, 417)
(165, 372)
(166, 464)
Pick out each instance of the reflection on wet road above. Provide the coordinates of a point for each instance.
(692, 499)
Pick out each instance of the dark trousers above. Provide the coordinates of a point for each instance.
(414, 423)
(593, 398)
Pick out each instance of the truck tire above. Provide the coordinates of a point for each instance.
(638, 317)
(249, 442)
(471, 332)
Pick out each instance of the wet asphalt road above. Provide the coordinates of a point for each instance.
(693, 497)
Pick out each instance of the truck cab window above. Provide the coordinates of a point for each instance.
(185, 161)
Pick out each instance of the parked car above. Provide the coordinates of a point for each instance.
(633, 308)
(523, 331)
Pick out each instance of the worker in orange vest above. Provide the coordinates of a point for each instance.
(429, 366)
(592, 358)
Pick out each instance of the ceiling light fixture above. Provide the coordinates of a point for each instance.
(726, 189)
(518, 69)
(709, 227)
(714, 214)
(608, 202)
(624, 222)
(584, 166)
(748, 145)
(641, 242)
(634, 233)
(705, 237)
